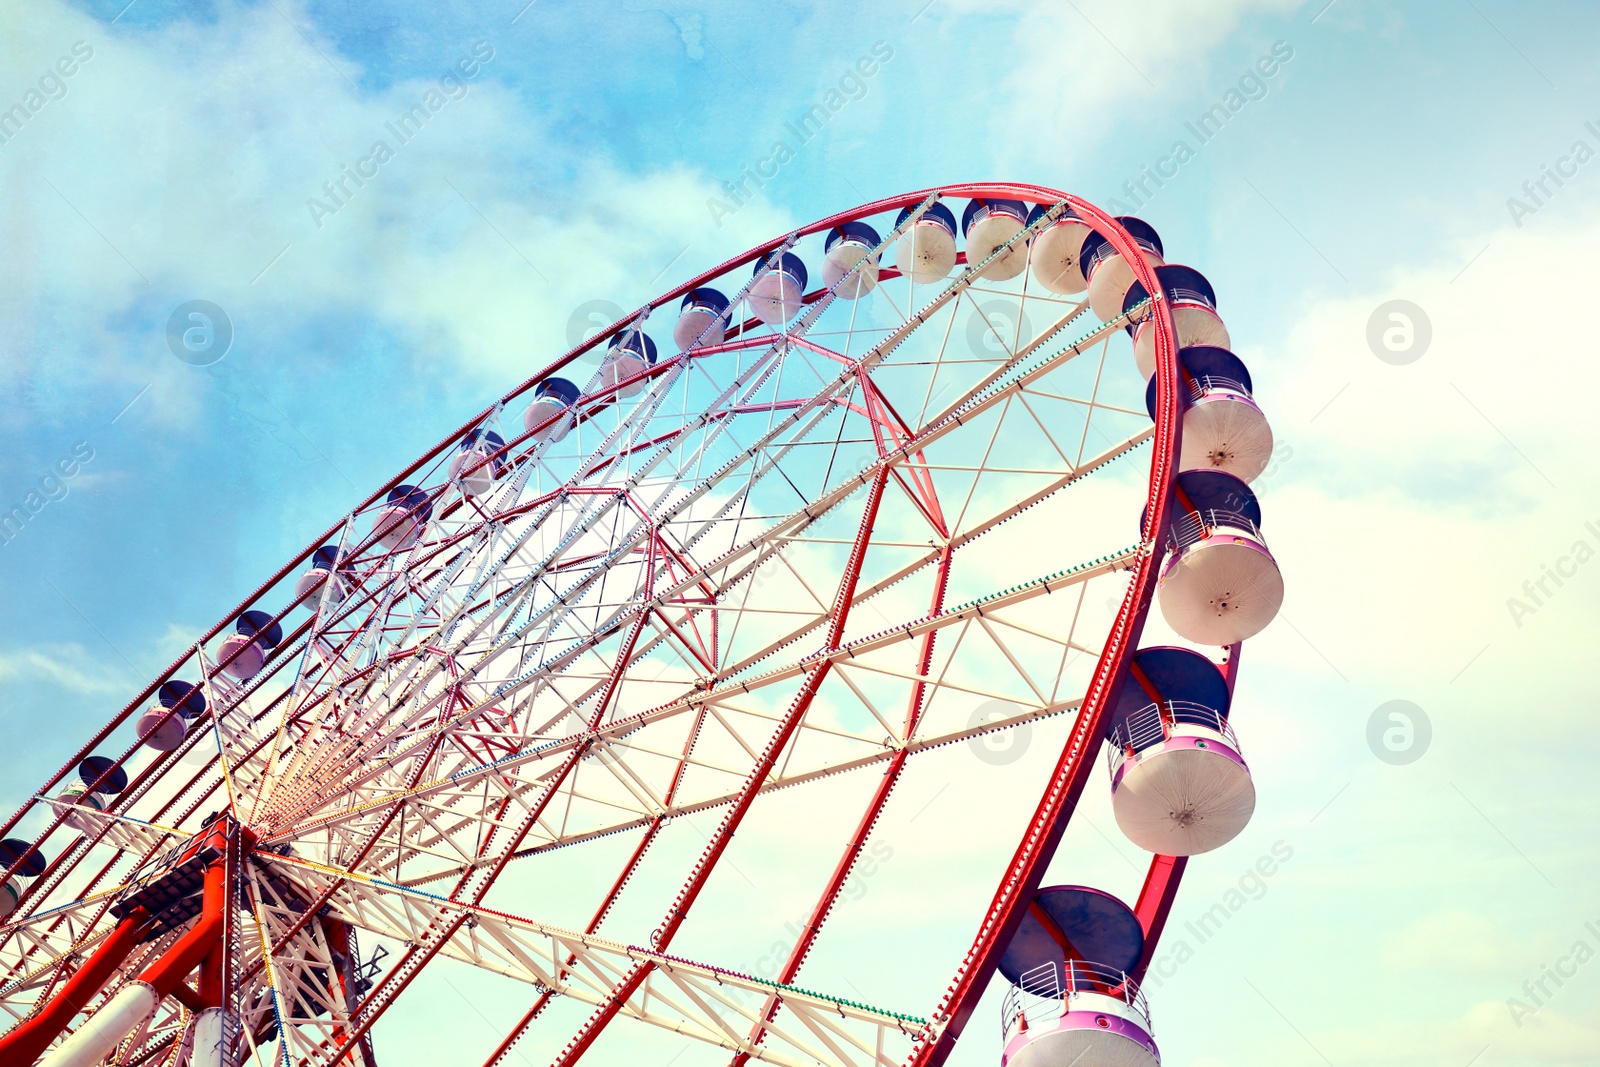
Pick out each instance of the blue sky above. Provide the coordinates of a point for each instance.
(579, 162)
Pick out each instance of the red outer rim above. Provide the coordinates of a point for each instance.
(1025, 871)
(1043, 833)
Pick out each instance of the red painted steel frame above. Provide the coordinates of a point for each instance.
(29, 1040)
(1060, 797)
(33, 1035)
(1160, 887)
(1066, 785)
(649, 836)
(891, 775)
(191, 949)
(679, 911)
(1038, 845)
(416, 957)
(1056, 806)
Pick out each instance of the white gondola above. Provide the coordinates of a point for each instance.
(630, 354)
(11, 850)
(403, 517)
(163, 736)
(1193, 304)
(549, 417)
(129, 1008)
(927, 252)
(79, 794)
(988, 224)
(1223, 427)
(1225, 430)
(478, 461)
(702, 320)
(1108, 274)
(245, 651)
(168, 735)
(1055, 252)
(1072, 1001)
(849, 246)
(324, 565)
(1223, 587)
(1102, 1021)
(1219, 584)
(775, 296)
(1179, 786)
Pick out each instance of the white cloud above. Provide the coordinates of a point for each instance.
(1403, 521)
(1435, 490)
(1077, 71)
(1454, 941)
(68, 666)
(1548, 1039)
(225, 133)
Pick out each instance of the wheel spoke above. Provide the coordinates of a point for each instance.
(855, 523)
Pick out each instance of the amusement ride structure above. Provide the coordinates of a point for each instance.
(803, 522)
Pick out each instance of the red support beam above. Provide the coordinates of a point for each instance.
(869, 818)
(33, 1035)
(610, 900)
(185, 994)
(166, 975)
(1025, 871)
(1160, 887)
(701, 873)
(175, 964)
(416, 957)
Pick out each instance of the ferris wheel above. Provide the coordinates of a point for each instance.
(800, 524)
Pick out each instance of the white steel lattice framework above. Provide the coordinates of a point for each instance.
(806, 551)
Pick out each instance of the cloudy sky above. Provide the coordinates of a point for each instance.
(1429, 507)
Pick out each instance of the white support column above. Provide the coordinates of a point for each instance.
(208, 1039)
(132, 1005)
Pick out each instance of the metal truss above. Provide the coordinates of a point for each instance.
(785, 556)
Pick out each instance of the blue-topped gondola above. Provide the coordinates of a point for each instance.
(776, 295)
(479, 460)
(1055, 251)
(190, 703)
(13, 848)
(1193, 304)
(324, 564)
(1100, 260)
(93, 768)
(403, 517)
(244, 653)
(629, 355)
(1073, 1000)
(989, 223)
(549, 416)
(848, 247)
(1179, 786)
(702, 319)
(927, 252)
(32, 867)
(1223, 426)
(1219, 584)
(78, 793)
